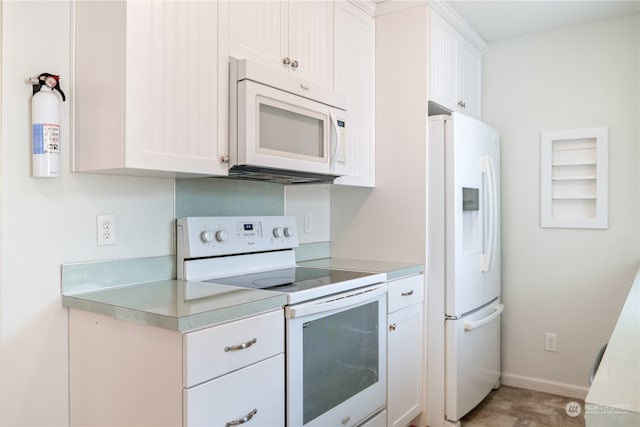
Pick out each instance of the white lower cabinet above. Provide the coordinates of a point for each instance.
(124, 373)
(254, 394)
(404, 350)
(234, 373)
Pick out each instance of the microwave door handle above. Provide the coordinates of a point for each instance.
(334, 140)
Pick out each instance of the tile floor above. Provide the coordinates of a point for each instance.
(517, 407)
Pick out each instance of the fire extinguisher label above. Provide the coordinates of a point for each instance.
(46, 138)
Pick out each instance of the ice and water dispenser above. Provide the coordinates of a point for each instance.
(470, 219)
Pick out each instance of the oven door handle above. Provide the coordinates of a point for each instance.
(342, 300)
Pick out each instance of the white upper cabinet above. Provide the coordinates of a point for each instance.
(443, 63)
(294, 37)
(469, 79)
(146, 89)
(354, 77)
(455, 68)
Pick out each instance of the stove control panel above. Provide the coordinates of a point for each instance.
(199, 237)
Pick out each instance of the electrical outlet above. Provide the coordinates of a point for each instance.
(550, 341)
(106, 229)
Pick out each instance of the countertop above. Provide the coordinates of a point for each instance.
(176, 304)
(184, 305)
(394, 270)
(614, 397)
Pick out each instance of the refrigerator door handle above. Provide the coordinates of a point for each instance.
(492, 203)
(470, 326)
(494, 216)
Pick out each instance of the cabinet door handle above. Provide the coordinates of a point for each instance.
(242, 420)
(240, 346)
(294, 64)
(286, 61)
(407, 294)
(392, 327)
(462, 104)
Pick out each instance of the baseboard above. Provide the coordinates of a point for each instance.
(545, 386)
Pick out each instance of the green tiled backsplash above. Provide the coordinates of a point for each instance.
(194, 197)
(227, 197)
(88, 276)
(230, 197)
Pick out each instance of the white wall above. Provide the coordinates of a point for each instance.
(313, 202)
(571, 282)
(48, 222)
(389, 221)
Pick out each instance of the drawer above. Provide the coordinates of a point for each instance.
(255, 392)
(405, 292)
(379, 420)
(215, 351)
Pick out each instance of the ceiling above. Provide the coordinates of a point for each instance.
(495, 20)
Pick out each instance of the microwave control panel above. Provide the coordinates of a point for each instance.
(340, 157)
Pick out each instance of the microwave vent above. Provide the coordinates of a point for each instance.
(281, 176)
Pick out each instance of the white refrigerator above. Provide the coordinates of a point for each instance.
(463, 266)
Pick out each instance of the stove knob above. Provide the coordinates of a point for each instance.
(289, 231)
(222, 235)
(207, 236)
(278, 232)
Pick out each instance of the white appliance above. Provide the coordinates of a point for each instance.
(283, 127)
(463, 274)
(335, 319)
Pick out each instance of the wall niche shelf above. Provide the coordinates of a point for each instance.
(574, 178)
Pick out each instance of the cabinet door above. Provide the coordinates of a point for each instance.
(443, 63)
(258, 31)
(255, 392)
(146, 80)
(469, 78)
(311, 40)
(171, 87)
(268, 32)
(354, 77)
(404, 365)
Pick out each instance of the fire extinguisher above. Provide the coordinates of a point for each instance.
(45, 124)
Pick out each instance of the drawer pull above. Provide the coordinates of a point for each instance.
(242, 420)
(240, 347)
(407, 294)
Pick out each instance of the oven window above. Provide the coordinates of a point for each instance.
(289, 132)
(340, 358)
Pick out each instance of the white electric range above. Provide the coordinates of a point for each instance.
(335, 319)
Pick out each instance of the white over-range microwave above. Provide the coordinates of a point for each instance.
(283, 129)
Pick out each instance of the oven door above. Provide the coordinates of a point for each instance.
(277, 129)
(336, 358)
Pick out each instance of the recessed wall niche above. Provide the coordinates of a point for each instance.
(574, 189)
